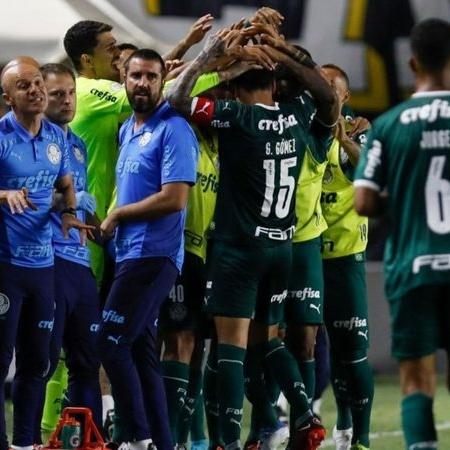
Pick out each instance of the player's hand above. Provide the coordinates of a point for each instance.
(276, 55)
(255, 54)
(239, 25)
(172, 64)
(339, 132)
(224, 39)
(109, 224)
(86, 202)
(198, 30)
(69, 221)
(269, 16)
(358, 125)
(238, 68)
(264, 29)
(18, 201)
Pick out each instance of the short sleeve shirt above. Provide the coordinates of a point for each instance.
(70, 248)
(35, 163)
(163, 150)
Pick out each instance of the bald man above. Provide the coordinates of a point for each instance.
(33, 161)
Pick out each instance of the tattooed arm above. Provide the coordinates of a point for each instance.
(179, 93)
(215, 48)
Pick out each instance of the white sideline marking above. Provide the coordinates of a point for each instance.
(329, 443)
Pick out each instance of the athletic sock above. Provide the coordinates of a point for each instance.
(285, 369)
(322, 358)
(230, 364)
(211, 398)
(418, 421)
(176, 377)
(187, 412)
(107, 404)
(360, 388)
(54, 394)
(341, 396)
(198, 420)
(308, 373)
(263, 411)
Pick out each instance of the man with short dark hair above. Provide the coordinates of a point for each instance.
(345, 301)
(405, 170)
(125, 51)
(102, 105)
(156, 167)
(77, 311)
(33, 160)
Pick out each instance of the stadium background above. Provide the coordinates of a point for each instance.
(368, 38)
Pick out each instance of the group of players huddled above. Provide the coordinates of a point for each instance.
(149, 205)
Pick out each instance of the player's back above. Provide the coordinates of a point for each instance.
(260, 152)
(409, 148)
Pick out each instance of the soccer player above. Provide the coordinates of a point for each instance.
(182, 321)
(344, 243)
(406, 171)
(33, 160)
(125, 51)
(156, 167)
(261, 145)
(102, 105)
(77, 312)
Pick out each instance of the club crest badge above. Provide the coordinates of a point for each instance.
(4, 304)
(328, 175)
(54, 154)
(177, 312)
(145, 139)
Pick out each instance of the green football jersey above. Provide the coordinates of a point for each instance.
(408, 155)
(102, 105)
(261, 149)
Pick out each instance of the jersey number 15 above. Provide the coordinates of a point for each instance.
(286, 187)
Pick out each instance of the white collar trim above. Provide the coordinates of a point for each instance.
(270, 107)
(430, 93)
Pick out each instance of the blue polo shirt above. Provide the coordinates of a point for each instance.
(163, 150)
(71, 248)
(34, 162)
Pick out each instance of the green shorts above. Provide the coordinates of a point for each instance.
(304, 303)
(420, 321)
(248, 282)
(345, 302)
(183, 308)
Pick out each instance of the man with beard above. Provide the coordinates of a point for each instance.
(156, 167)
(33, 160)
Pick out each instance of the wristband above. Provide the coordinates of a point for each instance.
(71, 211)
(304, 59)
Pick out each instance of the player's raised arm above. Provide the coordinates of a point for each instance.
(179, 93)
(217, 47)
(308, 73)
(195, 34)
